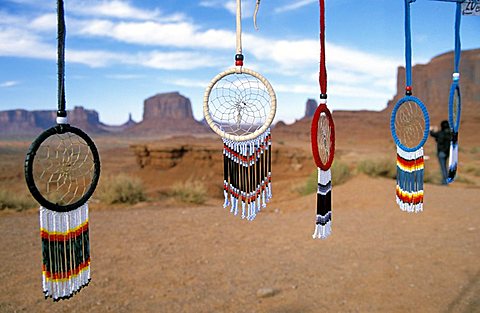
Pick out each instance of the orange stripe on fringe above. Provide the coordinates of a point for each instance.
(410, 165)
(410, 197)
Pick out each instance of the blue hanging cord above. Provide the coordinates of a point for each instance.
(458, 15)
(408, 44)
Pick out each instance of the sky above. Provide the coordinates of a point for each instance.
(120, 52)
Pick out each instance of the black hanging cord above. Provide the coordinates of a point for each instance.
(61, 59)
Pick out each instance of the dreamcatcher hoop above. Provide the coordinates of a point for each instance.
(322, 109)
(215, 127)
(455, 101)
(426, 118)
(323, 160)
(62, 169)
(411, 118)
(29, 168)
(230, 109)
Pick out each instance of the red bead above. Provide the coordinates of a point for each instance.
(408, 88)
(239, 63)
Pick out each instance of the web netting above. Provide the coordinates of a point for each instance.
(324, 137)
(456, 109)
(239, 104)
(63, 168)
(410, 124)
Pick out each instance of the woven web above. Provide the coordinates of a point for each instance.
(456, 103)
(63, 168)
(324, 137)
(239, 104)
(410, 124)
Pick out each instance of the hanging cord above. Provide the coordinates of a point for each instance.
(257, 6)
(408, 49)
(61, 113)
(239, 55)
(458, 47)
(323, 69)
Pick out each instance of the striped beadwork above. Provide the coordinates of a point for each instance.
(323, 226)
(247, 184)
(410, 172)
(65, 251)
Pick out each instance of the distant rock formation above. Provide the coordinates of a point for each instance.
(87, 120)
(23, 122)
(120, 128)
(168, 113)
(431, 84)
(310, 108)
(167, 107)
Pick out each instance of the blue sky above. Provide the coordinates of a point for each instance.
(119, 52)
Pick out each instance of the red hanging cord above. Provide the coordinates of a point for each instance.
(323, 69)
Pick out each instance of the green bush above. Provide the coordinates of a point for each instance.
(340, 174)
(190, 192)
(378, 168)
(472, 169)
(464, 180)
(432, 176)
(122, 189)
(15, 201)
(475, 150)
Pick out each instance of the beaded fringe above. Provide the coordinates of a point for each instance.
(323, 226)
(410, 172)
(65, 251)
(453, 162)
(247, 184)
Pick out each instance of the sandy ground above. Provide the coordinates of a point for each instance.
(153, 258)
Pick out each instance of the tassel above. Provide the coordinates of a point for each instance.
(453, 159)
(65, 252)
(247, 175)
(323, 226)
(410, 172)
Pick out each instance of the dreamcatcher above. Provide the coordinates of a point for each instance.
(62, 168)
(454, 101)
(239, 105)
(409, 126)
(323, 144)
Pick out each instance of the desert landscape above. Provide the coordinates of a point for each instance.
(163, 242)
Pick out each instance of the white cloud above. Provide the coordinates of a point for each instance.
(174, 60)
(185, 82)
(20, 43)
(297, 4)
(112, 8)
(182, 34)
(124, 76)
(9, 83)
(46, 22)
(231, 6)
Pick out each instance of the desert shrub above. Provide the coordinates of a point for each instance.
(472, 169)
(378, 168)
(193, 192)
(122, 189)
(475, 150)
(340, 174)
(464, 180)
(432, 176)
(15, 201)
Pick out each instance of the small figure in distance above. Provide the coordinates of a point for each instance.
(442, 137)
